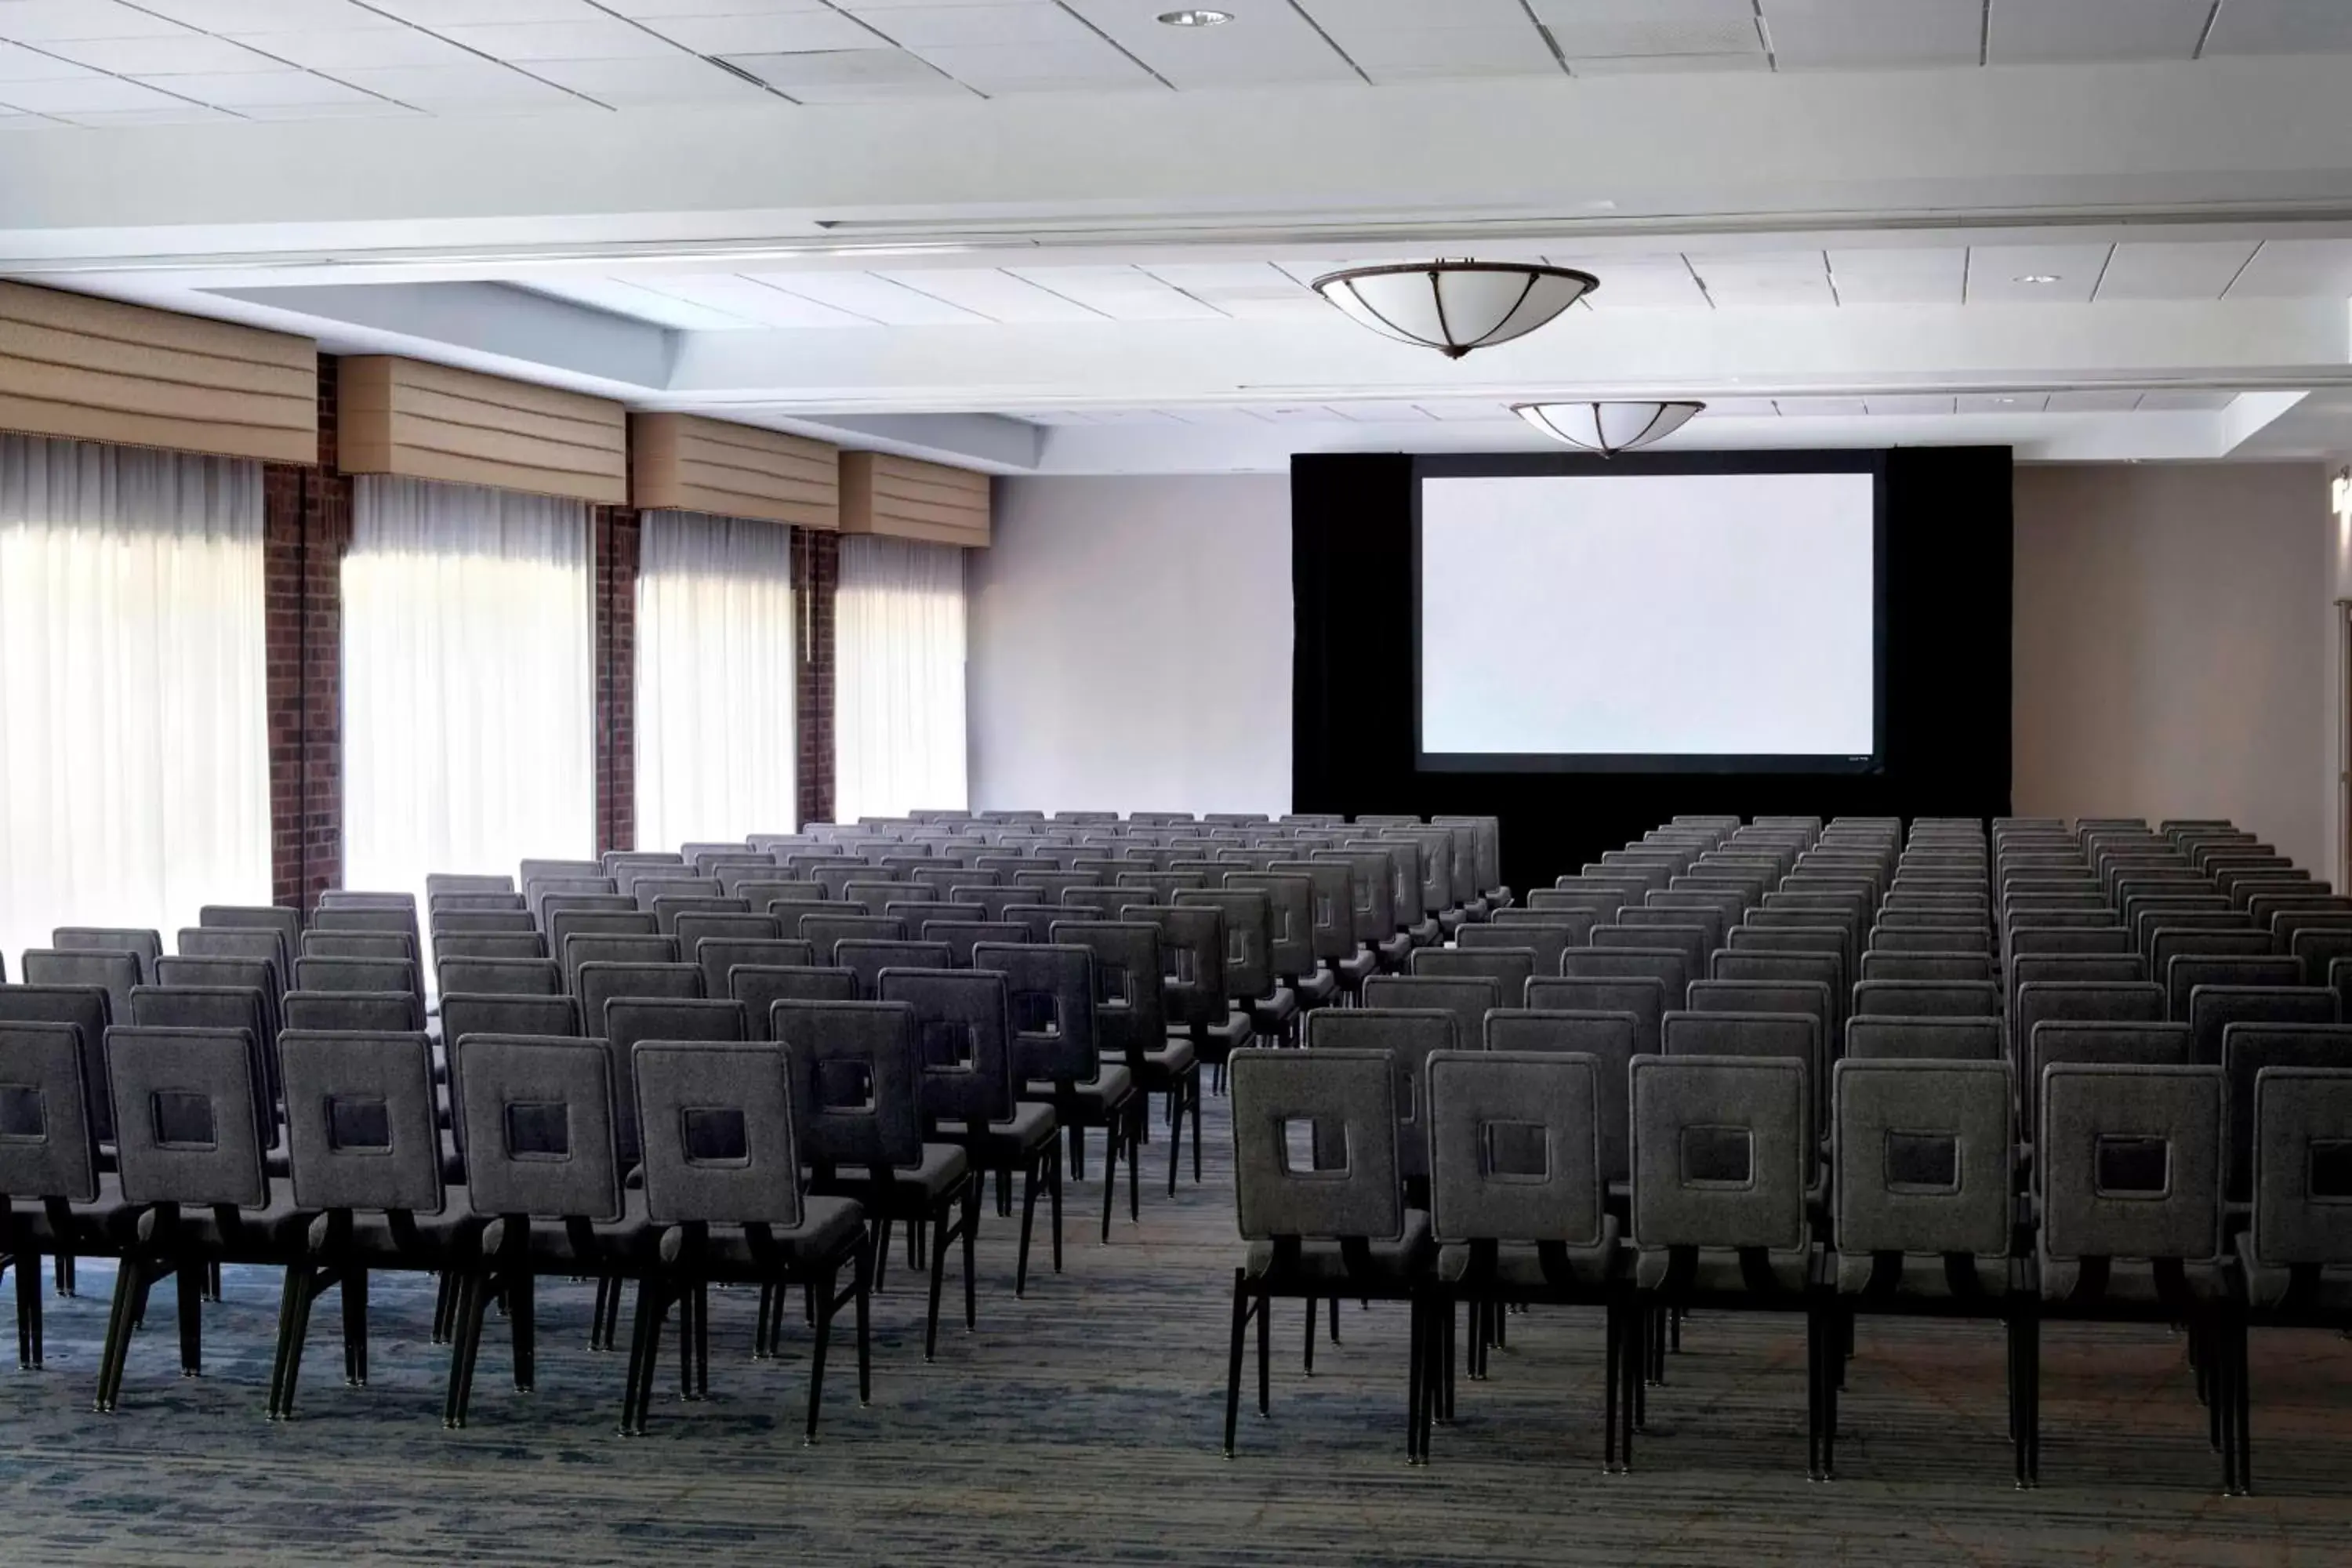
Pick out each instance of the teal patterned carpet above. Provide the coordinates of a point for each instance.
(1081, 1427)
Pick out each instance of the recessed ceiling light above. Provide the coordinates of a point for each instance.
(1196, 18)
(2037, 278)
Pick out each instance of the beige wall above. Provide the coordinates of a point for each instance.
(2174, 643)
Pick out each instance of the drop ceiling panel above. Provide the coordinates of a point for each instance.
(262, 89)
(2101, 402)
(55, 21)
(1820, 407)
(603, 39)
(1662, 65)
(2280, 27)
(1379, 411)
(851, 76)
(1911, 407)
(1895, 276)
(1995, 273)
(750, 301)
(1651, 27)
(1848, 32)
(1454, 410)
(82, 95)
(473, 84)
(648, 9)
(2003, 402)
(1268, 41)
(360, 108)
(349, 48)
(2173, 271)
(999, 296)
(20, 64)
(268, 16)
(782, 31)
(1741, 408)
(457, 13)
(925, 27)
(1080, 63)
(1122, 293)
(2281, 268)
(1346, 20)
(1638, 282)
(2028, 31)
(624, 298)
(1765, 278)
(1404, 55)
(679, 78)
(185, 54)
(871, 296)
(2185, 402)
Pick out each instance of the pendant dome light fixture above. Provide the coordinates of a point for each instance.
(1455, 306)
(1608, 428)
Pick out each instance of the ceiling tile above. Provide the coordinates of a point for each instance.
(1765, 278)
(20, 64)
(1820, 407)
(2185, 402)
(1235, 277)
(475, 83)
(1909, 405)
(2102, 402)
(440, 13)
(622, 297)
(871, 296)
(2280, 27)
(1651, 27)
(268, 16)
(603, 39)
(182, 114)
(361, 107)
(55, 21)
(83, 95)
(1463, 409)
(1083, 63)
(1809, 33)
(1742, 408)
(1268, 41)
(356, 48)
(1122, 293)
(251, 90)
(750, 301)
(1031, 22)
(2027, 31)
(1347, 19)
(1638, 282)
(2281, 268)
(1452, 51)
(1294, 414)
(1925, 275)
(186, 53)
(999, 296)
(2201, 270)
(1379, 411)
(2003, 402)
(1996, 273)
(647, 9)
(679, 78)
(784, 32)
(839, 75)
(1668, 65)
(1057, 417)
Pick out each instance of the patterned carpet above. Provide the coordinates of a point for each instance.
(1082, 1425)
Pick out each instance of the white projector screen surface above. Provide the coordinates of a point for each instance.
(1676, 617)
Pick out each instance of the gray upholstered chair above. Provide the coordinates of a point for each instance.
(584, 948)
(191, 1117)
(52, 1199)
(1520, 1231)
(1544, 934)
(1926, 999)
(287, 922)
(2250, 1049)
(599, 983)
(1195, 995)
(867, 959)
(962, 937)
(235, 941)
(1406, 1036)
(963, 1030)
(1669, 966)
(146, 945)
(508, 976)
(1293, 950)
(2184, 972)
(1609, 1039)
(1509, 967)
(112, 970)
(319, 974)
(1923, 1039)
(716, 956)
(631, 1018)
(826, 930)
(1130, 1020)
(1314, 1231)
(724, 1185)
(2129, 1162)
(1469, 997)
(1923, 1162)
(1723, 1156)
(1050, 1001)
(364, 1157)
(2213, 1009)
(1641, 999)
(857, 1105)
(1966, 968)
(1250, 976)
(488, 944)
(760, 986)
(1688, 940)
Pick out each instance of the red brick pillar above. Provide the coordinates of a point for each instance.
(617, 535)
(816, 577)
(305, 527)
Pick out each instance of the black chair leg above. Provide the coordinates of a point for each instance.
(1264, 1354)
(1416, 1354)
(64, 1270)
(823, 1298)
(129, 1285)
(2241, 1405)
(1176, 1127)
(1111, 1173)
(192, 1321)
(644, 1354)
(863, 1263)
(211, 1292)
(938, 1277)
(289, 1294)
(1137, 1122)
(29, 1309)
(1028, 1219)
(1054, 1197)
(1234, 1359)
(522, 1322)
(473, 1303)
(1307, 1362)
(969, 1226)
(1610, 1332)
(1196, 1129)
(445, 1305)
(881, 1250)
(355, 1327)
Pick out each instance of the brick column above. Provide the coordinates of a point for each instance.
(305, 527)
(817, 576)
(616, 534)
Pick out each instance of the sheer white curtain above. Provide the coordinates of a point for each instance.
(898, 652)
(714, 692)
(135, 756)
(467, 710)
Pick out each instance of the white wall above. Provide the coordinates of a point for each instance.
(1131, 645)
(2172, 647)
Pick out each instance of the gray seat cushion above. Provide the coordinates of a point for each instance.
(1323, 1262)
(828, 1226)
(1007, 1143)
(1521, 1267)
(1720, 1273)
(943, 1169)
(1924, 1278)
(1114, 1084)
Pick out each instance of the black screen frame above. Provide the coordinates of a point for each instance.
(1540, 465)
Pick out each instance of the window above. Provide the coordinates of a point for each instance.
(467, 705)
(714, 693)
(899, 717)
(134, 763)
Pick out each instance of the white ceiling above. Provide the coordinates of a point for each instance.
(146, 62)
